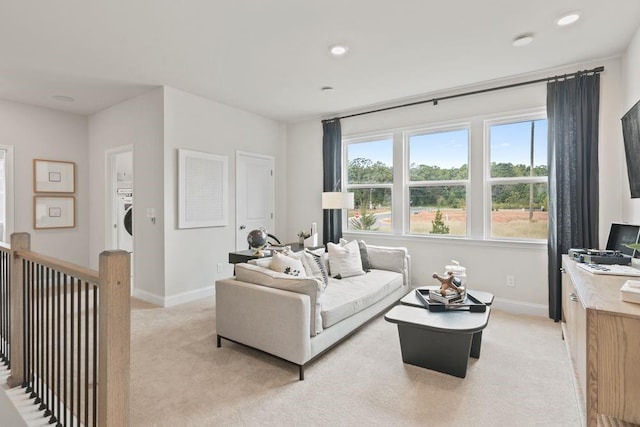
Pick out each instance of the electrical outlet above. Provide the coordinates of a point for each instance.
(511, 281)
(220, 267)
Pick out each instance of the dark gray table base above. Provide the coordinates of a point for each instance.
(443, 341)
(439, 351)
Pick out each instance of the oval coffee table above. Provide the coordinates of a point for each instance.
(441, 341)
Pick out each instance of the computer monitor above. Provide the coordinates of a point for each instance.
(621, 234)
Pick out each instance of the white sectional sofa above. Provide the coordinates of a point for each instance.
(297, 319)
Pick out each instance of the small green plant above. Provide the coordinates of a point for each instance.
(635, 246)
(366, 221)
(303, 234)
(438, 226)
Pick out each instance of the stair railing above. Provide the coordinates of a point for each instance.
(69, 334)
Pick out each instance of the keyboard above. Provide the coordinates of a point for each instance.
(610, 269)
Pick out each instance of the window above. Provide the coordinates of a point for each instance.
(370, 177)
(448, 179)
(438, 180)
(517, 179)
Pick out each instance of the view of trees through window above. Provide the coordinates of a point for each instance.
(438, 176)
(437, 181)
(370, 178)
(518, 179)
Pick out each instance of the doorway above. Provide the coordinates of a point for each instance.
(6, 193)
(254, 195)
(119, 231)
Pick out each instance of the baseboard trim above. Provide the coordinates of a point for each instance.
(519, 307)
(148, 297)
(189, 296)
(177, 299)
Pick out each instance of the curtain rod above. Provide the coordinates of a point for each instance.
(475, 92)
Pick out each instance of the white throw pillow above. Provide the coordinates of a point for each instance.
(345, 261)
(364, 255)
(287, 265)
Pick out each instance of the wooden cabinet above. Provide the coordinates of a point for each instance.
(575, 316)
(603, 337)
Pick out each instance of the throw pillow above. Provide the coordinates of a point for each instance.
(364, 255)
(314, 265)
(345, 261)
(287, 265)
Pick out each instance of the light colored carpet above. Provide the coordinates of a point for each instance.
(179, 377)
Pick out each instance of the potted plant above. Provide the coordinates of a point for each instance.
(302, 235)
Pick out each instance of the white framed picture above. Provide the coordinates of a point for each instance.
(203, 189)
(54, 212)
(53, 176)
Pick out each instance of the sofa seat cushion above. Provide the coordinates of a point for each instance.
(346, 297)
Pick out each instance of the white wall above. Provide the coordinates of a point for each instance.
(488, 263)
(631, 85)
(40, 133)
(137, 122)
(196, 123)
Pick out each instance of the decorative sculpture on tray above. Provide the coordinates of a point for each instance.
(448, 283)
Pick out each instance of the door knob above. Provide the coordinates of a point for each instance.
(242, 227)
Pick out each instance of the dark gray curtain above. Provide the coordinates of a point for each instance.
(332, 171)
(572, 114)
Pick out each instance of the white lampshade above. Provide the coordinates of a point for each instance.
(337, 200)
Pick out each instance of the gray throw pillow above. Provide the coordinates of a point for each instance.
(364, 256)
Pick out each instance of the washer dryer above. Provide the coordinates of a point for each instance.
(125, 219)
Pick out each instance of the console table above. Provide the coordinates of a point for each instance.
(248, 254)
(602, 334)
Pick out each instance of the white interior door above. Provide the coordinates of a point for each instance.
(254, 195)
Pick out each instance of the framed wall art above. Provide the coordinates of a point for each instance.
(202, 189)
(54, 212)
(53, 176)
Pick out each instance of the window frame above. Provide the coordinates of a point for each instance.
(490, 181)
(407, 184)
(477, 185)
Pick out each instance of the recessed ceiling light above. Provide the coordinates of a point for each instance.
(327, 89)
(568, 19)
(338, 50)
(523, 40)
(63, 98)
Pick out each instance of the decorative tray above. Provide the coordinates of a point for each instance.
(470, 303)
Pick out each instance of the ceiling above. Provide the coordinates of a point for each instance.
(271, 57)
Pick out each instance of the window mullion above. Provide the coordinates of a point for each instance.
(398, 195)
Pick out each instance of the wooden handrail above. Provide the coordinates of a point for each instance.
(111, 289)
(82, 273)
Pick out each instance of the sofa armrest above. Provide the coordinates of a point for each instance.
(391, 258)
(269, 319)
(310, 286)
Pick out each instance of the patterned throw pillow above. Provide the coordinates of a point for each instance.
(287, 265)
(345, 261)
(314, 264)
